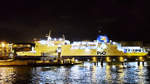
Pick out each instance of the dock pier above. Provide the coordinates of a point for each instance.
(62, 60)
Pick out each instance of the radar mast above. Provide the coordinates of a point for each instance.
(49, 36)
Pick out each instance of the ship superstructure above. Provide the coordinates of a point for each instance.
(46, 47)
(100, 47)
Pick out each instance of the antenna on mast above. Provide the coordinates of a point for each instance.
(100, 29)
(63, 36)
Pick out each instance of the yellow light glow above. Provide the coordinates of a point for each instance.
(120, 66)
(3, 44)
(108, 59)
(141, 59)
(73, 60)
(121, 59)
(94, 59)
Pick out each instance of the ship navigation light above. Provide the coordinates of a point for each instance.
(60, 39)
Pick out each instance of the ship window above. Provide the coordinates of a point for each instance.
(136, 50)
(28, 46)
(125, 50)
(21, 45)
(128, 50)
(65, 43)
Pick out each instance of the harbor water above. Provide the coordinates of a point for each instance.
(86, 73)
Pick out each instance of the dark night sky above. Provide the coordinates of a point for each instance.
(22, 20)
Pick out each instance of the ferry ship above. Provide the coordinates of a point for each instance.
(100, 47)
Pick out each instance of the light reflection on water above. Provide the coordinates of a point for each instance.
(87, 73)
(13, 75)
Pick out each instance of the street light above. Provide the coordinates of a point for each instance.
(3, 44)
(4, 48)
